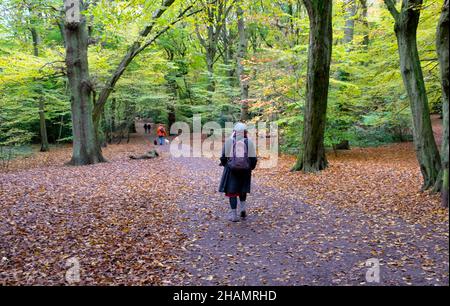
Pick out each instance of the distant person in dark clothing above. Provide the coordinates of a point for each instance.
(145, 128)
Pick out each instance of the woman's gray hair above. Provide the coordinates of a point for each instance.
(240, 127)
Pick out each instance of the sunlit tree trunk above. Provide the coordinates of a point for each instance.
(406, 22)
(312, 157)
(442, 47)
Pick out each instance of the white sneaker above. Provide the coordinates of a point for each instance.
(242, 211)
(233, 217)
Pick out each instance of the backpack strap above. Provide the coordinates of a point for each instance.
(234, 145)
(246, 146)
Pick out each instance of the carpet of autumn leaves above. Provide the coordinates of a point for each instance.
(384, 180)
(125, 221)
(110, 216)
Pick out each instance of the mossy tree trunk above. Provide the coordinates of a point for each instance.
(85, 150)
(442, 47)
(86, 114)
(406, 22)
(312, 157)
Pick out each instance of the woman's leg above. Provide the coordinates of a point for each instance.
(233, 202)
(233, 213)
(242, 209)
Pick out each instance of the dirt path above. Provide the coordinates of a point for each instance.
(286, 242)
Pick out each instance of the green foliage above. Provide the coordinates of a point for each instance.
(367, 100)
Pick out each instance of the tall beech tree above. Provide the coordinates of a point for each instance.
(312, 156)
(85, 147)
(442, 47)
(406, 22)
(86, 113)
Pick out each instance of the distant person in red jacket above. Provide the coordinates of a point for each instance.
(161, 132)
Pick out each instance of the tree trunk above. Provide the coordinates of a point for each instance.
(35, 38)
(349, 28)
(242, 51)
(86, 150)
(227, 53)
(210, 55)
(365, 22)
(171, 117)
(312, 158)
(43, 127)
(135, 49)
(60, 24)
(442, 47)
(215, 20)
(406, 22)
(113, 114)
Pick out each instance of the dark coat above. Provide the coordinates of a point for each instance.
(236, 181)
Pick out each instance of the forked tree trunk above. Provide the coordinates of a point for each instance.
(312, 157)
(86, 150)
(406, 22)
(134, 50)
(442, 47)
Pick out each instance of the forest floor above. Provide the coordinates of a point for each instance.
(162, 221)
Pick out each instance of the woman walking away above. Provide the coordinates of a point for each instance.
(161, 134)
(238, 159)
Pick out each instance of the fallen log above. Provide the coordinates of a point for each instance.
(149, 155)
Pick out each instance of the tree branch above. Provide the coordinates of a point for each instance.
(136, 48)
(391, 7)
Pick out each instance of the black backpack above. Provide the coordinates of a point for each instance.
(239, 159)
